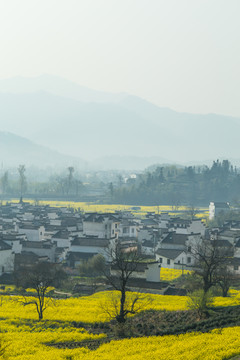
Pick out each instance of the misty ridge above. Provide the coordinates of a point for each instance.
(119, 148)
(49, 121)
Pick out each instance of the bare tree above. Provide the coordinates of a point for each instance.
(22, 180)
(39, 277)
(78, 186)
(111, 190)
(225, 278)
(122, 267)
(60, 185)
(4, 182)
(118, 272)
(192, 211)
(210, 258)
(70, 177)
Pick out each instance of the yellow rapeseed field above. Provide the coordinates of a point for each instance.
(111, 208)
(172, 274)
(22, 344)
(88, 309)
(24, 338)
(91, 309)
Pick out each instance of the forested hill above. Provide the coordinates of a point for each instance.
(174, 186)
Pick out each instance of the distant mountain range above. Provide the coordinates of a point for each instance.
(88, 124)
(15, 150)
(57, 86)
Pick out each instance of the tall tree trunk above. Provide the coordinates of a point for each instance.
(121, 316)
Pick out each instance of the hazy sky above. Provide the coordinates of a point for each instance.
(182, 54)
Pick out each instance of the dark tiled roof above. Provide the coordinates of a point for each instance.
(128, 222)
(95, 217)
(90, 242)
(169, 253)
(4, 246)
(69, 222)
(37, 245)
(79, 255)
(61, 235)
(180, 221)
(148, 243)
(29, 227)
(149, 222)
(230, 233)
(221, 205)
(28, 257)
(138, 267)
(222, 243)
(173, 238)
(11, 237)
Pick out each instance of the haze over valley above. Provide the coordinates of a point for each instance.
(63, 121)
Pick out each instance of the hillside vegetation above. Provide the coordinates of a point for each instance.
(175, 186)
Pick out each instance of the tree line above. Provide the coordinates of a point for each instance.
(66, 185)
(158, 185)
(172, 185)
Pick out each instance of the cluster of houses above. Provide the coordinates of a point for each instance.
(32, 233)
